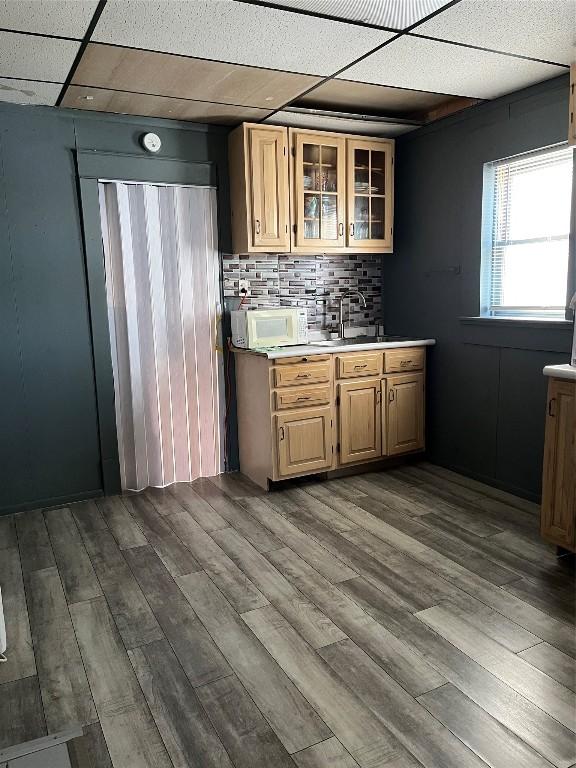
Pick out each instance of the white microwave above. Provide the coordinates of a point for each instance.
(277, 327)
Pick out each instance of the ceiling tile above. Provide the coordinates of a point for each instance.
(349, 96)
(394, 14)
(67, 18)
(341, 125)
(541, 29)
(236, 32)
(428, 65)
(164, 74)
(36, 58)
(28, 91)
(123, 102)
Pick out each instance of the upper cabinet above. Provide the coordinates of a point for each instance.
(319, 189)
(306, 191)
(370, 204)
(259, 189)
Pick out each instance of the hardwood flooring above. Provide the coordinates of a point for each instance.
(407, 619)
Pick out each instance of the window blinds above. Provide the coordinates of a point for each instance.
(528, 200)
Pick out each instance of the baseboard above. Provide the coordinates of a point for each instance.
(53, 501)
(487, 480)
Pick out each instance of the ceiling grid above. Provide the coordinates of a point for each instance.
(381, 66)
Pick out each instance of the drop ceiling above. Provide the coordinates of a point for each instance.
(367, 66)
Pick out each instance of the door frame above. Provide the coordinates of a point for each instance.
(92, 167)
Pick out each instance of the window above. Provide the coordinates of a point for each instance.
(526, 229)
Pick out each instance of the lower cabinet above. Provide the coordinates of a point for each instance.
(360, 425)
(403, 398)
(307, 414)
(558, 517)
(304, 441)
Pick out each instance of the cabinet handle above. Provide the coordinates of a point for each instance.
(257, 223)
(550, 407)
(341, 229)
(303, 376)
(405, 362)
(302, 398)
(352, 229)
(281, 433)
(361, 366)
(391, 396)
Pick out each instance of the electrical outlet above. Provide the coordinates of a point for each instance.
(243, 286)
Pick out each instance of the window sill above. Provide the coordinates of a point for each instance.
(518, 322)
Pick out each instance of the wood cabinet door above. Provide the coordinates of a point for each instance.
(269, 181)
(559, 477)
(404, 409)
(360, 420)
(304, 441)
(370, 193)
(319, 189)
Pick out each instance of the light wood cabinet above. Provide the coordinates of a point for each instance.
(352, 365)
(558, 517)
(369, 194)
(300, 191)
(304, 441)
(404, 407)
(318, 413)
(360, 420)
(259, 189)
(319, 190)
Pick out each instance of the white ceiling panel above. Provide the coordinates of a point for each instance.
(339, 124)
(394, 14)
(542, 29)
(67, 18)
(28, 92)
(36, 58)
(236, 32)
(428, 65)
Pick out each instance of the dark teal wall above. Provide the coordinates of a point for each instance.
(49, 440)
(487, 395)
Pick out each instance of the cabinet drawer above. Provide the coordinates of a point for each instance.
(307, 373)
(302, 359)
(351, 365)
(300, 397)
(406, 359)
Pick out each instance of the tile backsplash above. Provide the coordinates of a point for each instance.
(314, 282)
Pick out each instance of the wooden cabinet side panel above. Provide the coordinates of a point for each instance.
(237, 163)
(254, 417)
(558, 518)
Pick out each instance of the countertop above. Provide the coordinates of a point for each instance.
(560, 371)
(307, 350)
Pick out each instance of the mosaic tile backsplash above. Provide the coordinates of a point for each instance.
(314, 282)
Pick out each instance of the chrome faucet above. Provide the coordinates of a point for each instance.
(347, 295)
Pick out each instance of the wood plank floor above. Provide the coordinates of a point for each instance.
(406, 619)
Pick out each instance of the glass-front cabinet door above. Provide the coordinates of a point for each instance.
(319, 190)
(370, 190)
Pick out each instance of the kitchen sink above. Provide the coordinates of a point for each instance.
(349, 341)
